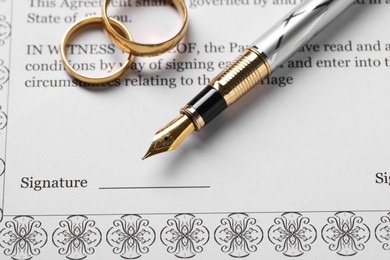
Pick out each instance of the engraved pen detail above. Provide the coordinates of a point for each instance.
(281, 41)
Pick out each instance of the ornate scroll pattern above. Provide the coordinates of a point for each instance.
(4, 74)
(3, 119)
(131, 236)
(22, 238)
(185, 235)
(292, 234)
(238, 235)
(77, 237)
(2, 169)
(5, 30)
(346, 233)
(382, 232)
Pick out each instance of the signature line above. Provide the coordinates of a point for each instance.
(154, 187)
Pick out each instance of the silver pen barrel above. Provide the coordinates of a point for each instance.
(299, 26)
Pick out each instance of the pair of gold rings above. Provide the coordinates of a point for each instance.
(122, 38)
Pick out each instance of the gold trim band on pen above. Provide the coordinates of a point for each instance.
(242, 75)
(77, 26)
(194, 116)
(142, 49)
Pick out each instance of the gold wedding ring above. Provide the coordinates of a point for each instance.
(125, 34)
(119, 34)
(141, 49)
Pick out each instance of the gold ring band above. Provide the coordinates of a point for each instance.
(75, 27)
(141, 49)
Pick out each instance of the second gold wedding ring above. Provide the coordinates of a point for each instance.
(141, 49)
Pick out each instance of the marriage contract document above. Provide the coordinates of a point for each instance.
(297, 168)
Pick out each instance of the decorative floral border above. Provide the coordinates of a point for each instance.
(5, 35)
(4, 74)
(130, 236)
(237, 235)
(346, 233)
(5, 29)
(23, 237)
(382, 232)
(76, 237)
(292, 234)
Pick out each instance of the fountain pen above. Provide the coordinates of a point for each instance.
(257, 62)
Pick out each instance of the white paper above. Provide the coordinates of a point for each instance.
(300, 170)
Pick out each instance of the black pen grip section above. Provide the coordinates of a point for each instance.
(208, 103)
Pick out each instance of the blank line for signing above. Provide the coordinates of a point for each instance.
(154, 187)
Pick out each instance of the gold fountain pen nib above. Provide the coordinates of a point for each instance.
(171, 136)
